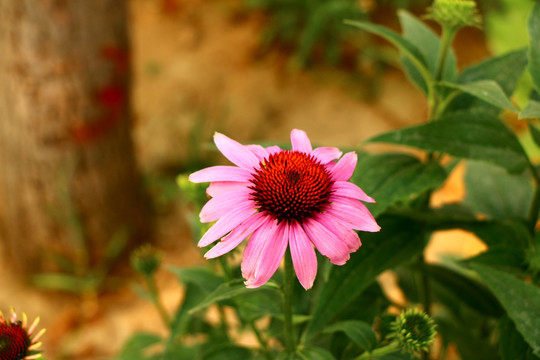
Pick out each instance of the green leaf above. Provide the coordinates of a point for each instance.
(203, 277)
(535, 133)
(487, 90)
(390, 178)
(477, 136)
(428, 44)
(228, 291)
(521, 301)
(506, 232)
(493, 192)
(469, 291)
(534, 46)
(495, 69)
(502, 257)
(531, 110)
(134, 347)
(228, 352)
(405, 47)
(315, 353)
(378, 253)
(358, 331)
(511, 343)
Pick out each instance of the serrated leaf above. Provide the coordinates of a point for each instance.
(377, 254)
(405, 47)
(486, 90)
(493, 192)
(531, 110)
(390, 178)
(478, 137)
(534, 46)
(521, 301)
(359, 332)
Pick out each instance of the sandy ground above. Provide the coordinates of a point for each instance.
(195, 68)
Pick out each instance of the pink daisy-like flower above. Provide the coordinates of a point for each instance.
(300, 198)
(17, 341)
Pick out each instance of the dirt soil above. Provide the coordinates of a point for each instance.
(195, 72)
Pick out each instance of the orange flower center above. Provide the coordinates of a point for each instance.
(291, 186)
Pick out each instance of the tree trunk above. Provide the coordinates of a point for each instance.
(68, 177)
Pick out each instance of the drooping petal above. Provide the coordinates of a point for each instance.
(326, 242)
(326, 154)
(237, 153)
(344, 167)
(221, 205)
(300, 141)
(342, 230)
(264, 253)
(238, 235)
(303, 256)
(353, 212)
(235, 217)
(217, 188)
(220, 173)
(348, 189)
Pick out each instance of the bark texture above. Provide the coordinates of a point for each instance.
(68, 176)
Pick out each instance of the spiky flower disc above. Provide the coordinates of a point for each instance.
(17, 341)
(454, 14)
(413, 330)
(299, 199)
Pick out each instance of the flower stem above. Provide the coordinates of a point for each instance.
(535, 206)
(385, 350)
(288, 282)
(152, 288)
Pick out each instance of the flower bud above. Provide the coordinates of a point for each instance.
(146, 259)
(413, 330)
(454, 14)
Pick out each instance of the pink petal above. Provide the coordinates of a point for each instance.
(342, 230)
(221, 205)
(326, 242)
(235, 217)
(344, 167)
(353, 212)
(265, 257)
(238, 235)
(260, 152)
(273, 149)
(300, 141)
(303, 256)
(235, 152)
(220, 173)
(217, 188)
(347, 189)
(326, 154)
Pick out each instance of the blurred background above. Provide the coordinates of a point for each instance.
(103, 103)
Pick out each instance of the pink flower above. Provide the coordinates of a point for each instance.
(299, 198)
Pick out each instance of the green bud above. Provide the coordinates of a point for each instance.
(192, 192)
(413, 330)
(454, 14)
(146, 259)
